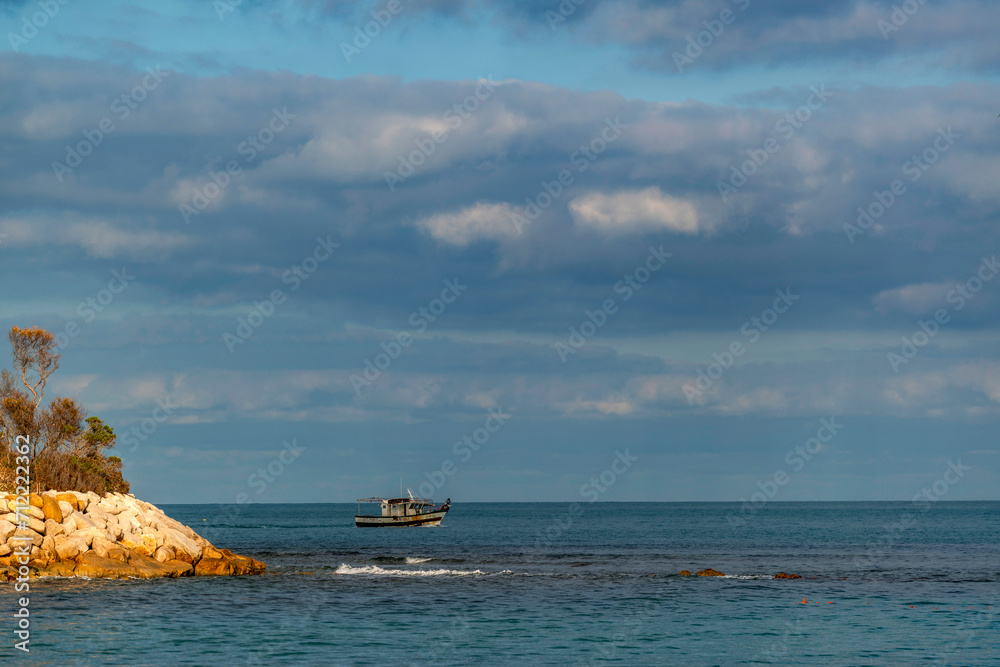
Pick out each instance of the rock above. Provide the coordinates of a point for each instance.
(164, 553)
(53, 528)
(785, 575)
(107, 549)
(67, 508)
(180, 568)
(212, 566)
(185, 548)
(113, 528)
(26, 510)
(58, 569)
(6, 530)
(48, 548)
(68, 547)
(35, 500)
(149, 568)
(50, 508)
(70, 499)
(136, 543)
(36, 538)
(36, 525)
(684, 573)
(82, 500)
(89, 535)
(244, 564)
(709, 573)
(5, 549)
(94, 566)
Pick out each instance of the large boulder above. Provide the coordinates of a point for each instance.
(68, 547)
(96, 567)
(186, 549)
(108, 549)
(70, 499)
(164, 553)
(67, 508)
(6, 530)
(785, 575)
(709, 573)
(53, 528)
(89, 534)
(50, 508)
(213, 566)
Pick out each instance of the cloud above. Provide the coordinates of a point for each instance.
(913, 299)
(631, 211)
(471, 224)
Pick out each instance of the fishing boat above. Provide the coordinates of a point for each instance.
(411, 511)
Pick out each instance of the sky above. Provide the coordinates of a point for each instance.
(620, 250)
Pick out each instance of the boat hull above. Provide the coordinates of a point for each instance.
(428, 519)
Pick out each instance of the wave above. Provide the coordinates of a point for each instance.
(375, 570)
(410, 560)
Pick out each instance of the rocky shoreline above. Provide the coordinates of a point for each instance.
(116, 536)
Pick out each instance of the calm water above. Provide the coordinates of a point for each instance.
(529, 583)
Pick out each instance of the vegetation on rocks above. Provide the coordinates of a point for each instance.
(66, 449)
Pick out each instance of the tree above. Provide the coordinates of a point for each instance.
(62, 454)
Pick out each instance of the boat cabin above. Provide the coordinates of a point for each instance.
(399, 506)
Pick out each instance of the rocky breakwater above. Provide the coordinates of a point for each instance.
(115, 536)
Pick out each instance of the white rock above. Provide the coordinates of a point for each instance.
(69, 547)
(53, 528)
(181, 542)
(6, 530)
(65, 508)
(88, 534)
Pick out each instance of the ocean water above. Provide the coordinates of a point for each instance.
(542, 583)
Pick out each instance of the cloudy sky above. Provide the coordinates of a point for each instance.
(486, 247)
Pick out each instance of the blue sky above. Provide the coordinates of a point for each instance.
(499, 212)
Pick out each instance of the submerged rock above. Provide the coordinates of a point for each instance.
(785, 575)
(114, 537)
(684, 573)
(709, 573)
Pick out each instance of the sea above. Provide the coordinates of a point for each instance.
(883, 583)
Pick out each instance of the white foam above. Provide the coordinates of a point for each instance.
(748, 576)
(376, 570)
(410, 560)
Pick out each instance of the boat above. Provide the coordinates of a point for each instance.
(411, 511)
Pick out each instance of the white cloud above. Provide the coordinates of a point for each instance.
(918, 299)
(629, 211)
(481, 221)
